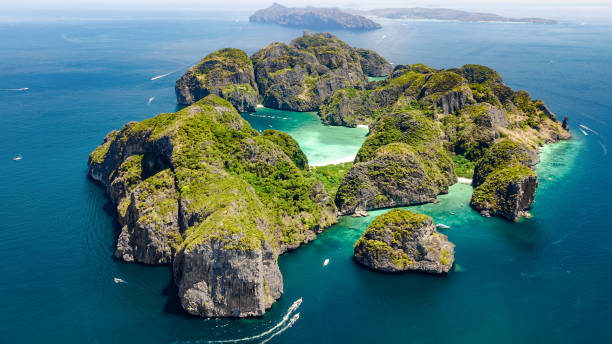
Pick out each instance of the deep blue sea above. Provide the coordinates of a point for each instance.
(543, 280)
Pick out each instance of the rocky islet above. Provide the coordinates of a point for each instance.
(401, 240)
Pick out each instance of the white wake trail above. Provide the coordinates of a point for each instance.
(605, 150)
(291, 309)
(160, 76)
(16, 89)
(289, 324)
(589, 129)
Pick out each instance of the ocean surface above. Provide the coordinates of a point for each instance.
(543, 280)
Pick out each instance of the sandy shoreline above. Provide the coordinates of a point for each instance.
(464, 180)
(334, 162)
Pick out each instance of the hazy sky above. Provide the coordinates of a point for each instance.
(558, 9)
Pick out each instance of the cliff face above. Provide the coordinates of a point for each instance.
(313, 18)
(447, 92)
(299, 76)
(373, 64)
(203, 191)
(401, 240)
(227, 73)
(504, 181)
(402, 162)
(467, 112)
(507, 193)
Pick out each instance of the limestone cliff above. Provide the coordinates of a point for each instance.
(203, 191)
(446, 91)
(402, 162)
(227, 73)
(458, 114)
(300, 75)
(401, 240)
(504, 181)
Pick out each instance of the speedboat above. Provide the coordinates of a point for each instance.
(442, 226)
(17, 158)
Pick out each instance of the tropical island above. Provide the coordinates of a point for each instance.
(316, 18)
(202, 191)
(447, 14)
(326, 18)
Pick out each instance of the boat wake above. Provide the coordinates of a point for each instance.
(289, 324)
(267, 116)
(286, 322)
(605, 150)
(15, 89)
(160, 76)
(587, 128)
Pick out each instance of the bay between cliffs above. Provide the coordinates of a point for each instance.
(322, 144)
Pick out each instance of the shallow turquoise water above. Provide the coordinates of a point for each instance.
(322, 144)
(542, 280)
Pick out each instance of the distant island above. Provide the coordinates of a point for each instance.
(313, 18)
(335, 18)
(448, 14)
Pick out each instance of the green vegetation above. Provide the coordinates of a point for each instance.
(494, 194)
(479, 74)
(331, 176)
(463, 167)
(228, 89)
(410, 125)
(288, 145)
(224, 56)
(401, 222)
(245, 186)
(98, 155)
(443, 82)
(501, 155)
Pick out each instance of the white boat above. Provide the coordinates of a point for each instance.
(326, 262)
(118, 280)
(442, 226)
(17, 158)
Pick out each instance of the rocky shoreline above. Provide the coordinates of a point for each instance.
(202, 191)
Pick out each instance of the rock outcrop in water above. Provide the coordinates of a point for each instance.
(401, 240)
(300, 75)
(313, 18)
(504, 182)
(203, 191)
(227, 73)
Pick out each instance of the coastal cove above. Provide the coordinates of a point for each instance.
(533, 281)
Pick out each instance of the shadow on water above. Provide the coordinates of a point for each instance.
(173, 303)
